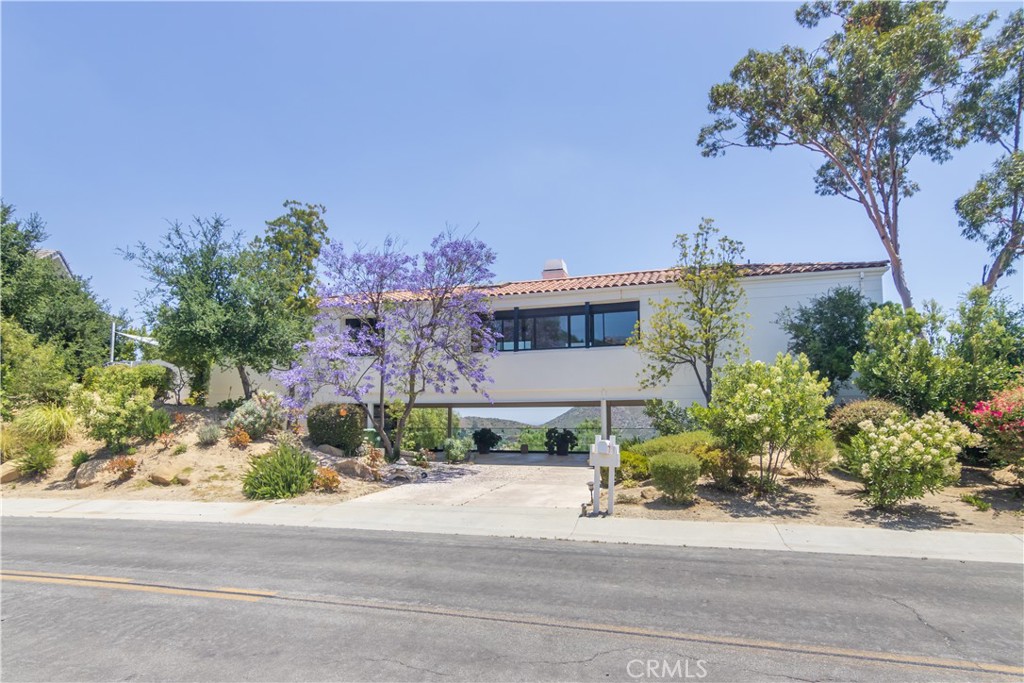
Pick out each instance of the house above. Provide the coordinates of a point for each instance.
(564, 337)
(57, 258)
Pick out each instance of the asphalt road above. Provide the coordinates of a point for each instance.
(91, 600)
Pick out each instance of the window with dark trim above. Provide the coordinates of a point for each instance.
(566, 327)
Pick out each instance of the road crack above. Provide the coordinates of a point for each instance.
(393, 660)
(946, 636)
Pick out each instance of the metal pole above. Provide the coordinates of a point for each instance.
(113, 333)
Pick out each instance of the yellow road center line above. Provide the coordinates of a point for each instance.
(246, 595)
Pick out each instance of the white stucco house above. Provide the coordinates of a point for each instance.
(564, 337)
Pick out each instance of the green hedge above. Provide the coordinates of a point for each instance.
(676, 475)
(284, 472)
(336, 424)
(632, 466)
(156, 377)
(846, 419)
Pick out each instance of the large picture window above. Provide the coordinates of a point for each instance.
(568, 327)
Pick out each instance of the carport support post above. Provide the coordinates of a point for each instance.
(449, 422)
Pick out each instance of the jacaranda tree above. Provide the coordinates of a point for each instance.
(392, 326)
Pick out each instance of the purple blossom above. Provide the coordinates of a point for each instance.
(422, 325)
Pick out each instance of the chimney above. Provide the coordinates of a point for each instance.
(555, 269)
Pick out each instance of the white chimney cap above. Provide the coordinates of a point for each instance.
(555, 269)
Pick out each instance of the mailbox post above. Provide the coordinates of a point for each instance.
(604, 453)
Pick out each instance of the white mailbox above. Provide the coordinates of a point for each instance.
(604, 453)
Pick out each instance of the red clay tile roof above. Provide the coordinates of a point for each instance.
(656, 277)
(650, 277)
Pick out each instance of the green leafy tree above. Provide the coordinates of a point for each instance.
(30, 371)
(767, 411)
(987, 338)
(667, 417)
(989, 109)
(905, 360)
(704, 325)
(829, 330)
(860, 101)
(45, 301)
(925, 362)
(219, 302)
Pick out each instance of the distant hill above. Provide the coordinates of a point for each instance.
(629, 421)
(473, 423)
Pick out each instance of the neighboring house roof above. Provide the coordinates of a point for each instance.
(57, 256)
(650, 277)
(665, 275)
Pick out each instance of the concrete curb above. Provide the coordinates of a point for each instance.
(546, 523)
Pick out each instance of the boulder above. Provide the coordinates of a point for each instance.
(184, 478)
(331, 450)
(350, 467)
(164, 475)
(88, 473)
(1005, 476)
(400, 476)
(648, 493)
(9, 472)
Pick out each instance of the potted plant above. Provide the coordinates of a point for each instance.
(485, 440)
(560, 441)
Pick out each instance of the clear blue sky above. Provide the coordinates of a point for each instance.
(561, 130)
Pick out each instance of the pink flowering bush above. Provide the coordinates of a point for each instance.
(1000, 421)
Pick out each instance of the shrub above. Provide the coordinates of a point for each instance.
(373, 458)
(903, 458)
(675, 443)
(814, 457)
(38, 459)
(123, 467)
(485, 439)
(180, 448)
(846, 419)
(149, 376)
(114, 408)
(11, 443)
(455, 449)
(154, 424)
(425, 428)
(31, 371)
(766, 411)
(239, 438)
(208, 434)
(1000, 421)
(284, 472)
(422, 459)
(327, 480)
(46, 423)
(79, 458)
(336, 424)
(980, 504)
(259, 416)
(633, 467)
(180, 419)
(230, 405)
(676, 475)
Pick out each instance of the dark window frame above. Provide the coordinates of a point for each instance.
(517, 317)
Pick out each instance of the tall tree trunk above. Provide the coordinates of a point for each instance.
(1010, 250)
(246, 385)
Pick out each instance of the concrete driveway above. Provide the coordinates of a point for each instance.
(501, 480)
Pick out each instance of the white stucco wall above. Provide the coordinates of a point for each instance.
(595, 374)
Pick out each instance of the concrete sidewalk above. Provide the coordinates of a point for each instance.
(555, 523)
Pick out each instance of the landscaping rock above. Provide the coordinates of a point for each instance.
(88, 472)
(184, 478)
(648, 493)
(163, 475)
(353, 468)
(400, 476)
(1004, 476)
(9, 472)
(331, 450)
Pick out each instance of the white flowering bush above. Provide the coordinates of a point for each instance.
(767, 411)
(901, 458)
